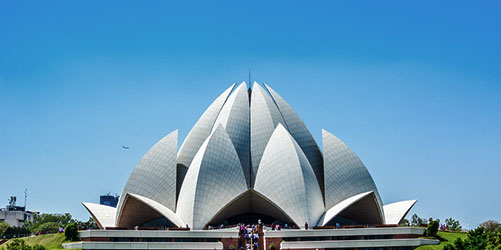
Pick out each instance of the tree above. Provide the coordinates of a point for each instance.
(47, 228)
(432, 227)
(89, 224)
(71, 232)
(405, 223)
(491, 225)
(417, 221)
(16, 231)
(60, 219)
(453, 224)
(3, 227)
(478, 239)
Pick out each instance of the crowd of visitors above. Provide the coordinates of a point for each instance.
(249, 236)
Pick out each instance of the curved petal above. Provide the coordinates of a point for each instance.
(265, 117)
(361, 208)
(234, 117)
(214, 178)
(345, 174)
(286, 178)
(395, 212)
(102, 214)
(301, 134)
(138, 210)
(155, 175)
(201, 130)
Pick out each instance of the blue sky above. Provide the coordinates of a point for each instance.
(414, 88)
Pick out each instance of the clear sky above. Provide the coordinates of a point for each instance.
(413, 87)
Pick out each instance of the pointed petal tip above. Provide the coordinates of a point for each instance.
(280, 126)
(218, 128)
(256, 85)
(268, 87)
(230, 88)
(402, 202)
(325, 131)
(242, 85)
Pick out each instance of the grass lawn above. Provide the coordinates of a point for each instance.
(449, 236)
(49, 241)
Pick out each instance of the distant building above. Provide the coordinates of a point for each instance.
(14, 215)
(109, 200)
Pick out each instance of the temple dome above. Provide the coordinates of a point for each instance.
(249, 156)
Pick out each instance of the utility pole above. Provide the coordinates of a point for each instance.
(25, 197)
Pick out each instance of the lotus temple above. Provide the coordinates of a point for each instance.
(250, 160)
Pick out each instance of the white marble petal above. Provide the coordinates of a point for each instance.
(396, 212)
(214, 179)
(265, 117)
(286, 178)
(155, 175)
(234, 117)
(345, 174)
(102, 214)
(202, 129)
(301, 134)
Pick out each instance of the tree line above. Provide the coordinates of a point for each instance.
(45, 223)
(486, 236)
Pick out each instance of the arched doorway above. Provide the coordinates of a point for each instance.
(248, 208)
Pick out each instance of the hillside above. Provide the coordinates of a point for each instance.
(449, 236)
(49, 241)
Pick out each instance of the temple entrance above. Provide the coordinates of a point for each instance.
(248, 208)
(248, 219)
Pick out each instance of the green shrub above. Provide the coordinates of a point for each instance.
(38, 247)
(449, 247)
(272, 246)
(231, 247)
(17, 244)
(71, 232)
(478, 239)
(432, 228)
